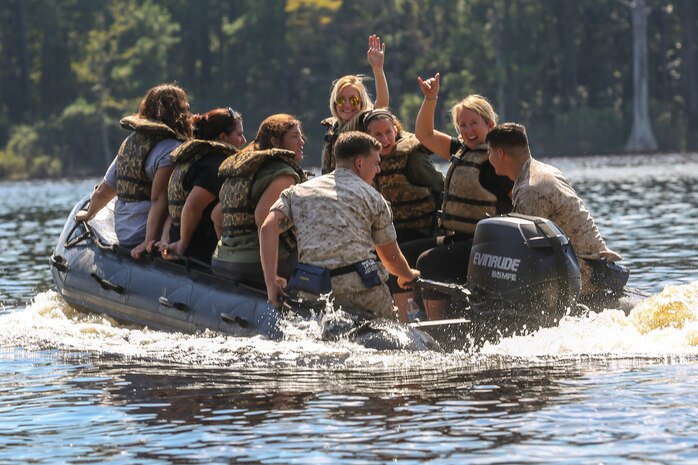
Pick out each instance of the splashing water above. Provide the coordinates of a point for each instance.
(661, 325)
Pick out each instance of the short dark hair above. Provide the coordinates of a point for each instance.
(507, 135)
(354, 144)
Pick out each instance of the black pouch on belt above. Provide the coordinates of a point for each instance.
(311, 279)
(368, 270)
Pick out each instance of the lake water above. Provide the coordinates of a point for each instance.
(607, 388)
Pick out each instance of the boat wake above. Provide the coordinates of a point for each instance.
(664, 325)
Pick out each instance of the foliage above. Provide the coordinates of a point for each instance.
(69, 70)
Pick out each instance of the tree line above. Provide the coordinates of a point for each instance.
(70, 70)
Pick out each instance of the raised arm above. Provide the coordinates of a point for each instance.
(436, 141)
(376, 59)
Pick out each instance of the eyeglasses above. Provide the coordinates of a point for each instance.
(354, 101)
(233, 114)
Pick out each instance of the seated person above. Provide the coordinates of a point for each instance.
(472, 189)
(412, 185)
(542, 190)
(254, 178)
(194, 185)
(139, 174)
(349, 101)
(341, 223)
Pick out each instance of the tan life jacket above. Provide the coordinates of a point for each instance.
(132, 183)
(414, 207)
(240, 171)
(465, 201)
(184, 157)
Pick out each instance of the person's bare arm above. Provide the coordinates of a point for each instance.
(158, 210)
(271, 195)
(436, 141)
(98, 200)
(272, 226)
(376, 59)
(394, 261)
(197, 201)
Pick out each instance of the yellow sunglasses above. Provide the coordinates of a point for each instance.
(354, 101)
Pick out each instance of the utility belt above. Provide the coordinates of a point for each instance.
(608, 276)
(317, 280)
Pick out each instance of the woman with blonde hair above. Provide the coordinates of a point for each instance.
(349, 101)
(472, 189)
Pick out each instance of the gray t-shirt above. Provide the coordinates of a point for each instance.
(131, 218)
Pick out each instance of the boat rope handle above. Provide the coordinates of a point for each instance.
(181, 306)
(107, 285)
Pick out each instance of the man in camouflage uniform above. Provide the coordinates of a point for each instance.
(340, 219)
(542, 190)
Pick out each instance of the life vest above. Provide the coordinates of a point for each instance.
(328, 162)
(184, 157)
(240, 171)
(132, 183)
(414, 207)
(465, 201)
(334, 129)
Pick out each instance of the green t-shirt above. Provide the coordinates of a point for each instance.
(245, 248)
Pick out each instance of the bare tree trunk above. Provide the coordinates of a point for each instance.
(688, 72)
(641, 136)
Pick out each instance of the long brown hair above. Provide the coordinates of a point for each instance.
(273, 127)
(167, 103)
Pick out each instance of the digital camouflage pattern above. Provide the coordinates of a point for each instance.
(542, 190)
(465, 201)
(240, 170)
(132, 183)
(184, 157)
(413, 206)
(338, 219)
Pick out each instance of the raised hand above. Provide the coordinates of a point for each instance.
(376, 52)
(430, 87)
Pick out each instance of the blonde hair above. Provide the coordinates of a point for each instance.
(476, 103)
(350, 80)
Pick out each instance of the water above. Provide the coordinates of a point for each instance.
(607, 388)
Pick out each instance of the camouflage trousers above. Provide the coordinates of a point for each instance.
(348, 290)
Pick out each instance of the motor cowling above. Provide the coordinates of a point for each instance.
(524, 269)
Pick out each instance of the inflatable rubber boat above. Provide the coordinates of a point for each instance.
(522, 275)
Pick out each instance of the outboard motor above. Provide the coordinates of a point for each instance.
(522, 272)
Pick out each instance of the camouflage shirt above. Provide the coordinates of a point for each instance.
(338, 219)
(542, 190)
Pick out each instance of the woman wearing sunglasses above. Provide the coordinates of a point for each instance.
(254, 179)
(194, 185)
(349, 101)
